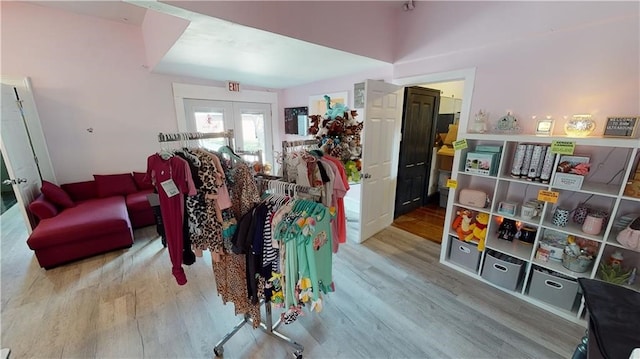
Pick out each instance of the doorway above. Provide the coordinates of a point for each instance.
(8, 196)
(428, 221)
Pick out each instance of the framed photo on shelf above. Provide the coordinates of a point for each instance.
(622, 126)
(544, 127)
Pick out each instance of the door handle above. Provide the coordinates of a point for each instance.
(366, 175)
(14, 181)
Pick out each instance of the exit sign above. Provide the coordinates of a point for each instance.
(233, 86)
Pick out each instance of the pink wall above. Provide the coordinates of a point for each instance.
(88, 73)
(531, 58)
(361, 27)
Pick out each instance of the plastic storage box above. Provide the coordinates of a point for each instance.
(502, 270)
(444, 196)
(464, 254)
(555, 290)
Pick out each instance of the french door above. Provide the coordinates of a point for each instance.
(250, 122)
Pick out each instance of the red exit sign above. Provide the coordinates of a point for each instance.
(233, 86)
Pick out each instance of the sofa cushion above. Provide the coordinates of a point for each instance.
(115, 185)
(89, 218)
(42, 208)
(56, 195)
(138, 201)
(81, 191)
(139, 178)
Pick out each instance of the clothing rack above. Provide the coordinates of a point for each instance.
(189, 136)
(275, 185)
(278, 185)
(257, 154)
(290, 146)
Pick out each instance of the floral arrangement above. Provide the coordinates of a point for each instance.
(339, 135)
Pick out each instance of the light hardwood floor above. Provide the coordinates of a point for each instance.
(393, 300)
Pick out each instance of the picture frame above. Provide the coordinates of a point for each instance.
(318, 105)
(296, 120)
(358, 95)
(544, 127)
(622, 126)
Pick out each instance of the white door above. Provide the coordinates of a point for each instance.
(18, 153)
(381, 140)
(250, 122)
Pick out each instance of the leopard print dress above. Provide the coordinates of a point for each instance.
(206, 227)
(230, 270)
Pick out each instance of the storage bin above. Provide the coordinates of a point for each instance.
(443, 176)
(464, 254)
(444, 196)
(502, 270)
(557, 291)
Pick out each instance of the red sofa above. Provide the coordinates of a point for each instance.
(83, 219)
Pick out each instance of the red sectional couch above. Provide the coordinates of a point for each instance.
(82, 219)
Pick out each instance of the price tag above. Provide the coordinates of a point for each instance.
(548, 196)
(452, 183)
(460, 145)
(563, 147)
(170, 188)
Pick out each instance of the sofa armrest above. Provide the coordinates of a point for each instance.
(42, 209)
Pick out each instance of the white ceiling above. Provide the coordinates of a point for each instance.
(216, 49)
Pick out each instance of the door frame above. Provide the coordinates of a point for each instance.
(468, 75)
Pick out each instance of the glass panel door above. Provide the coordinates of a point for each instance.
(209, 116)
(250, 122)
(255, 121)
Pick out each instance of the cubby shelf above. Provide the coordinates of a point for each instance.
(612, 161)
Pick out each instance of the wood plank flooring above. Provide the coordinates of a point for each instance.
(393, 300)
(425, 222)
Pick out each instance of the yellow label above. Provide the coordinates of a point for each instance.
(452, 183)
(548, 196)
(460, 145)
(563, 147)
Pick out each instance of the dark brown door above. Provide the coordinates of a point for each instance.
(420, 112)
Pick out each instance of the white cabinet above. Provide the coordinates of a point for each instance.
(544, 281)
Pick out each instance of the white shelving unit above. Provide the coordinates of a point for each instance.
(612, 161)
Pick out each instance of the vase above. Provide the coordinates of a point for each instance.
(593, 224)
(579, 126)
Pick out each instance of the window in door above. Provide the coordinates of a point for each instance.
(250, 122)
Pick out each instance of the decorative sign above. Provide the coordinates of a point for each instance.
(452, 183)
(233, 86)
(460, 145)
(563, 147)
(544, 127)
(548, 196)
(358, 95)
(621, 126)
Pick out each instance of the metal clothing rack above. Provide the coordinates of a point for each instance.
(273, 184)
(190, 136)
(278, 185)
(268, 328)
(186, 136)
(298, 145)
(257, 154)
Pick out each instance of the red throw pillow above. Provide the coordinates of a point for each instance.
(42, 209)
(115, 185)
(138, 177)
(56, 195)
